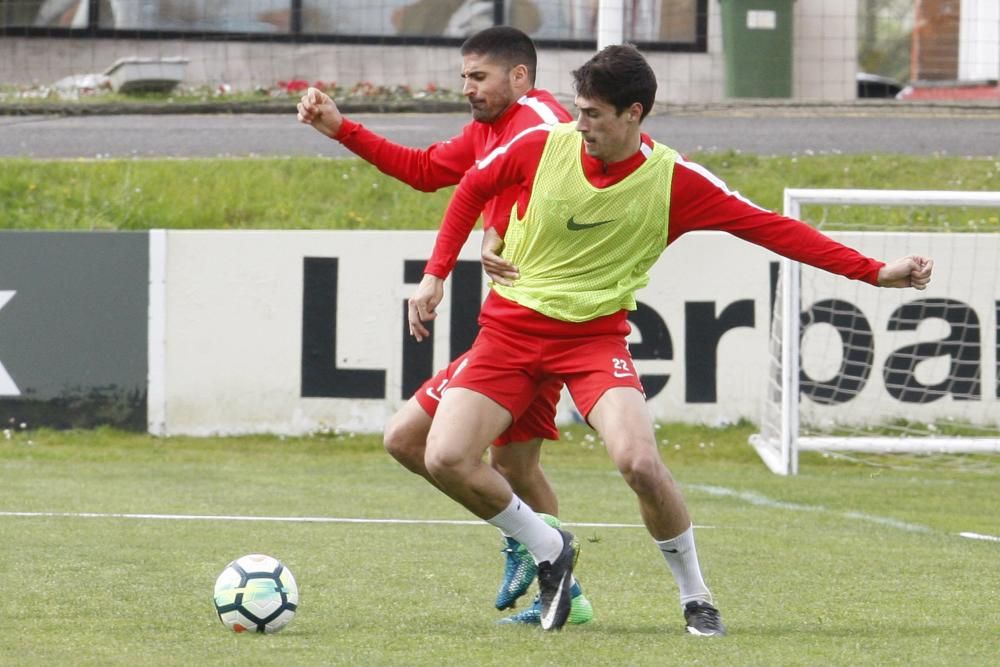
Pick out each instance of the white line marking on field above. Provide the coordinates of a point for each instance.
(289, 519)
(761, 500)
(755, 498)
(979, 536)
(887, 521)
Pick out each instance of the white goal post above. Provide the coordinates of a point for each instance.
(940, 385)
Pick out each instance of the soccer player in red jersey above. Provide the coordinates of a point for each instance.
(598, 202)
(498, 67)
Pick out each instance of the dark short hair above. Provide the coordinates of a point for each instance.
(618, 75)
(505, 45)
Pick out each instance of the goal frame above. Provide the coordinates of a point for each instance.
(781, 455)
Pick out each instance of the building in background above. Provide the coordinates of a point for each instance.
(955, 50)
(247, 44)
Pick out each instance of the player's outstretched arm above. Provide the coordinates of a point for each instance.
(496, 267)
(910, 271)
(318, 109)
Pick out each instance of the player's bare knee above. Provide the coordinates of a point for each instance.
(400, 442)
(644, 474)
(391, 438)
(444, 463)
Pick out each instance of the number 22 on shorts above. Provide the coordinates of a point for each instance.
(622, 368)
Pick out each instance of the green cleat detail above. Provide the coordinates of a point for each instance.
(580, 610)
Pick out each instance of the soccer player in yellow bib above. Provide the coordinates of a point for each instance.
(599, 201)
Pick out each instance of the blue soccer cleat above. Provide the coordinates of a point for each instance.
(519, 572)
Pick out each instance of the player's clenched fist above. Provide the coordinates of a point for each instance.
(318, 109)
(910, 271)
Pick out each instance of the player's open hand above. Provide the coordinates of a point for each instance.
(910, 271)
(422, 306)
(496, 267)
(318, 109)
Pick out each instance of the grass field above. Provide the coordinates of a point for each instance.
(848, 563)
(858, 563)
(316, 193)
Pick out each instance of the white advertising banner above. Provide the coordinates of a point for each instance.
(302, 331)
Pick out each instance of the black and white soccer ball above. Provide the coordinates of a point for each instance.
(256, 593)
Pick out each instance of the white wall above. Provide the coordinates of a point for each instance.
(979, 40)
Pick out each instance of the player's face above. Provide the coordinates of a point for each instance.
(607, 135)
(487, 87)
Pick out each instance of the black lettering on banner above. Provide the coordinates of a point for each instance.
(466, 300)
(320, 375)
(701, 341)
(962, 344)
(857, 352)
(655, 344)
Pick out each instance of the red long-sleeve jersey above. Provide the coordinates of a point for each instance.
(445, 162)
(698, 201)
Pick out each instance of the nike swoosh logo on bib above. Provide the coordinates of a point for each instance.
(574, 226)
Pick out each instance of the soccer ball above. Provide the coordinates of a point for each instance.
(256, 593)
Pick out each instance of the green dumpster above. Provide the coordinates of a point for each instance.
(757, 43)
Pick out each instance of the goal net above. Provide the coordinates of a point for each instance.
(856, 368)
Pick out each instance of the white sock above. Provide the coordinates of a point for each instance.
(682, 557)
(520, 522)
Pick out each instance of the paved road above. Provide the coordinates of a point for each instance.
(767, 133)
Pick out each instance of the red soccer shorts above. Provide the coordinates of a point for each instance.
(537, 421)
(510, 367)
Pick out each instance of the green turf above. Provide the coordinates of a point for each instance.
(844, 564)
(317, 193)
